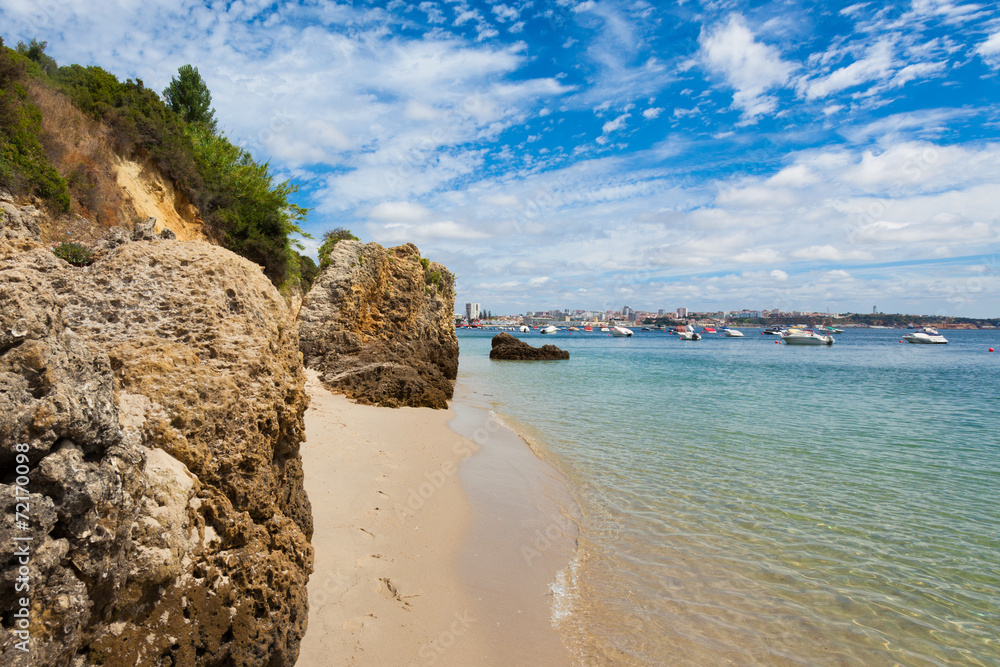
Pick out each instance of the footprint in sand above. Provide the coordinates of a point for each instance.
(389, 591)
(357, 623)
(368, 561)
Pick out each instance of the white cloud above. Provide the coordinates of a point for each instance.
(778, 274)
(876, 65)
(652, 112)
(990, 50)
(399, 212)
(750, 67)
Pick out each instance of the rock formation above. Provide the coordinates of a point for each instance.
(378, 325)
(507, 348)
(157, 397)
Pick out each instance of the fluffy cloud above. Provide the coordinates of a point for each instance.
(750, 67)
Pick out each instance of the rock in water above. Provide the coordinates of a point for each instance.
(158, 396)
(378, 325)
(508, 348)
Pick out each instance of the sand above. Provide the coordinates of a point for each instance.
(395, 532)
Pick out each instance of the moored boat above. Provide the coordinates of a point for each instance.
(548, 330)
(732, 333)
(805, 337)
(926, 335)
(687, 333)
(621, 332)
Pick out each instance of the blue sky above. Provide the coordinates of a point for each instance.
(567, 154)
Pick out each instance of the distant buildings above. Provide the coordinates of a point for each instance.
(472, 311)
(682, 312)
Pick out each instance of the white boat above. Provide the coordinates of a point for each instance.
(524, 328)
(732, 333)
(687, 333)
(805, 337)
(548, 330)
(925, 335)
(620, 332)
(605, 330)
(772, 331)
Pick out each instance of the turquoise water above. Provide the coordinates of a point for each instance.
(752, 503)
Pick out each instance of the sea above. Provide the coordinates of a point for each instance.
(745, 502)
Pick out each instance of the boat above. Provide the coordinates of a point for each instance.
(574, 328)
(588, 328)
(620, 332)
(605, 330)
(796, 336)
(925, 335)
(524, 328)
(772, 331)
(687, 333)
(548, 330)
(827, 329)
(709, 330)
(732, 333)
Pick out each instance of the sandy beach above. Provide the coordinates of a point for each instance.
(398, 539)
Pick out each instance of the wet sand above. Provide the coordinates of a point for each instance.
(411, 568)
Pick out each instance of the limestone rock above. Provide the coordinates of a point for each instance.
(378, 325)
(18, 222)
(509, 348)
(145, 230)
(159, 396)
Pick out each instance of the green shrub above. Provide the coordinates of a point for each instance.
(74, 253)
(330, 239)
(24, 167)
(424, 262)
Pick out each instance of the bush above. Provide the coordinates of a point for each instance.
(74, 253)
(330, 239)
(24, 167)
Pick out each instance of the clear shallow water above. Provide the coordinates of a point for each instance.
(751, 503)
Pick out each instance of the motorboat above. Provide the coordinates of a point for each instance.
(588, 328)
(548, 330)
(806, 337)
(925, 335)
(605, 330)
(827, 329)
(687, 333)
(620, 332)
(732, 333)
(524, 328)
(772, 331)
(709, 330)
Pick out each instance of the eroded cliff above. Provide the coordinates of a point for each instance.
(158, 397)
(378, 325)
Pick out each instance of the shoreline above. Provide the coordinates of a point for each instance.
(525, 528)
(413, 561)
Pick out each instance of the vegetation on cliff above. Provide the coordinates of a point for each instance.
(242, 206)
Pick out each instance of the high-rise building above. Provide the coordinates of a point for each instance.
(472, 311)
(682, 312)
(626, 313)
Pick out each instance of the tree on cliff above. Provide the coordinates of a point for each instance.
(35, 51)
(330, 239)
(188, 95)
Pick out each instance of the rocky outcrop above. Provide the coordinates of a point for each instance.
(157, 398)
(507, 348)
(378, 326)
